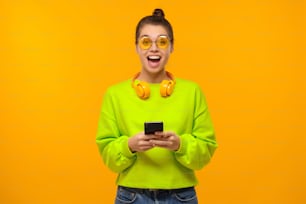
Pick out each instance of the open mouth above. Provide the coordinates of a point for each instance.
(153, 58)
(154, 61)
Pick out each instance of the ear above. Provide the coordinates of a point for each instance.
(137, 48)
(171, 48)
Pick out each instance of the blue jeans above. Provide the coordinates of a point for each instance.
(146, 196)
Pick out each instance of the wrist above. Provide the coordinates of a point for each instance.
(130, 146)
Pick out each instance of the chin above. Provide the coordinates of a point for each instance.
(154, 70)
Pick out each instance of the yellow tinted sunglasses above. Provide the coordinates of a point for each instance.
(161, 42)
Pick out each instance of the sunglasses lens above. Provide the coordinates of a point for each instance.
(145, 43)
(162, 42)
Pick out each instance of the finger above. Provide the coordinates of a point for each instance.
(165, 134)
(159, 133)
(145, 143)
(146, 147)
(148, 137)
(161, 143)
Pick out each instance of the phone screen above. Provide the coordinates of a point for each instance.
(152, 127)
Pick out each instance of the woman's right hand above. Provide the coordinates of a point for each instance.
(141, 142)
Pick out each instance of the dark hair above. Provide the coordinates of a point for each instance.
(157, 18)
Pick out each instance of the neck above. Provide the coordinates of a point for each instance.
(152, 78)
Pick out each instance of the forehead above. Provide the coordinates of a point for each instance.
(153, 30)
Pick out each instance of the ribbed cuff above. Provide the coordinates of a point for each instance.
(126, 150)
(183, 146)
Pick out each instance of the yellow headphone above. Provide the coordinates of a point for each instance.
(142, 88)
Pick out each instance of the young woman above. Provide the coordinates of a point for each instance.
(157, 167)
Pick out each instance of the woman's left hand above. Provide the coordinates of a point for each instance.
(167, 140)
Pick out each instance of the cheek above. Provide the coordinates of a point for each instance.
(142, 55)
(167, 53)
(140, 51)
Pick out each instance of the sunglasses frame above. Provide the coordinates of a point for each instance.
(157, 42)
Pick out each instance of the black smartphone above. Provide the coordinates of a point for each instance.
(152, 127)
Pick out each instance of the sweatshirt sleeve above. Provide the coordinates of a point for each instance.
(198, 147)
(112, 146)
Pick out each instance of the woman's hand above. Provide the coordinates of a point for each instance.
(141, 142)
(167, 140)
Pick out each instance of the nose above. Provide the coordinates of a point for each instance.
(153, 47)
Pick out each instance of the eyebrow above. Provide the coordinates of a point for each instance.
(157, 36)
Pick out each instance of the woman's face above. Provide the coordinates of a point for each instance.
(153, 58)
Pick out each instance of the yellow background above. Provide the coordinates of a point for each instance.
(58, 57)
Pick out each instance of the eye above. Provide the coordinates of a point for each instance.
(163, 42)
(145, 43)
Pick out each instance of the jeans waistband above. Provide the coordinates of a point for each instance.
(157, 191)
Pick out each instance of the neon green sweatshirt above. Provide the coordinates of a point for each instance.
(185, 112)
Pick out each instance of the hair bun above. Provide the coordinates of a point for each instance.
(159, 13)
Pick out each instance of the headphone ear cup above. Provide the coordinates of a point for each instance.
(166, 88)
(142, 89)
